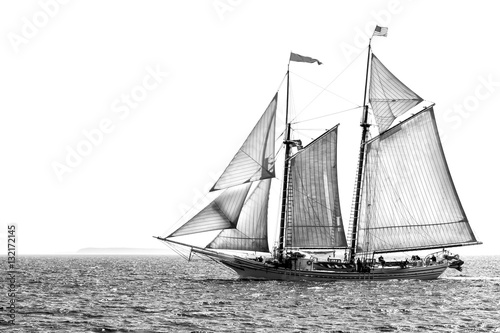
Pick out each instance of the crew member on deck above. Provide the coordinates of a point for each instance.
(381, 260)
(358, 265)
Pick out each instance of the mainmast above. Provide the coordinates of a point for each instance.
(286, 142)
(364, 124)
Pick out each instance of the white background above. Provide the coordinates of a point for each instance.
(225, 60)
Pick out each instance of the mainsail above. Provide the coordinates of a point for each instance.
(315, 220)
(408, 199)
(389, 97)
(251, 231)
(255, 159)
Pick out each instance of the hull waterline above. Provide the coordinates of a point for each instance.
(250, 269)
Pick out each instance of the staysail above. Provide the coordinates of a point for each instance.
(389, 97)
(250, 233)
(316, 221)
(223, 212)
(240, 210)
(255, 159)
(408, 198)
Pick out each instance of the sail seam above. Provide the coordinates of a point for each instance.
(415, 226)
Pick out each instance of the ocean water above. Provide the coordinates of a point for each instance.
(169, 294)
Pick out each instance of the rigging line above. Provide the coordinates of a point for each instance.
(176, 250)
(441, 177)
(328, 115)
(418, 164)
(382, 241)
(398, 196)
(433, 182)
(260, 171)
(177, 224)
(402, 205)
(267, 156)
(279, 136)
(326, 89)
(304, 134)
(253, 159)
(276, 154)
(241, 233)
(404, 227)
(424, 181)
(237, 237)
(371, 236)
(291, 105)
(309, 197)
(311, 129)
(342, 72)
(311, 200)
(216, 261)
(248, 229)
(281, 83)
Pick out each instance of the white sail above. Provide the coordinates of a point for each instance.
(223, 212)
(408, 198)
(316, 221)
(251, 230)
(389, 97)
(255, 159)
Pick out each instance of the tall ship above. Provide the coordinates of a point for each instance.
(404, 198)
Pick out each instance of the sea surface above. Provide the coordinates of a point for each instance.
(169, 294)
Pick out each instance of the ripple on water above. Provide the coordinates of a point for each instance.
(166, 294)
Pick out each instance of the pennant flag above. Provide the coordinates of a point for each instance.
(380, 31)
(299, 58)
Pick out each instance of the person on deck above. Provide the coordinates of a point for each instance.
(381, 260)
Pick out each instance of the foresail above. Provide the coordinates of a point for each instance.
(408, 198)
(223, 212)
(251, 230)
(255, 159)
(389, 97)
(316, 221)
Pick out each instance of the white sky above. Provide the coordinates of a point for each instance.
(72, 69)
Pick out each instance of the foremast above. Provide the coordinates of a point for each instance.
(310, 206)
(288, 147)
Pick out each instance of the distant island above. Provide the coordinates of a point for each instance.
(124, 250)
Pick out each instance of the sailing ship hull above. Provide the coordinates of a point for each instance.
(250, 269)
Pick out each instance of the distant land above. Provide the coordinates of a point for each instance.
(123, 250)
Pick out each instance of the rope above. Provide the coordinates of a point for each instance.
(329, 84)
